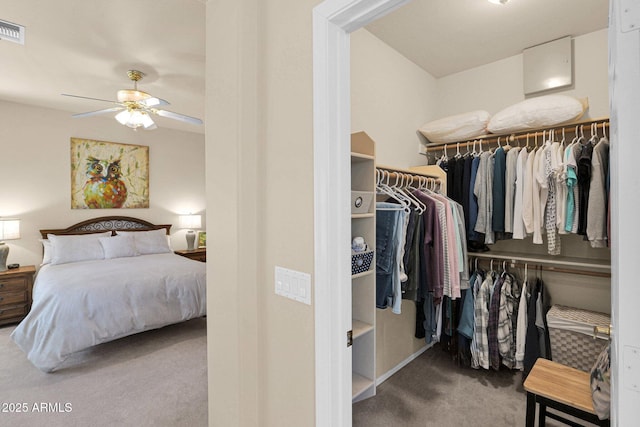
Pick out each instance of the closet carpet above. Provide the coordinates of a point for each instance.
(433, 391)
(156, 378)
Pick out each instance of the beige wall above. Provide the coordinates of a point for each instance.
(391, 97)
(36, 168)
(260, 145)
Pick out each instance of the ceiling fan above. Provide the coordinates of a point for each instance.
(136, 107)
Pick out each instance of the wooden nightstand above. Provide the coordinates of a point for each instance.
(15, 293)
(199, 254)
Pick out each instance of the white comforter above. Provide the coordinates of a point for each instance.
(82, 304)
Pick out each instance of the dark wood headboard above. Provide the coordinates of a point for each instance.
(107, 223)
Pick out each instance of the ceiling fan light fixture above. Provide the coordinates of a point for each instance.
(135, 119)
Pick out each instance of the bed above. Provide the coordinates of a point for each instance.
(104, 279)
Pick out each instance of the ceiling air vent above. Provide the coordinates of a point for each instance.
(11, 32)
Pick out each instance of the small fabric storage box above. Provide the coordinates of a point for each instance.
(361, 261)
(571, 333)
(361, 201)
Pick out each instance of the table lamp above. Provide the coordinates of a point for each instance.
(190, 222)
(9, 230)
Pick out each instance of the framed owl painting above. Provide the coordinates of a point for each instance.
(109, 175)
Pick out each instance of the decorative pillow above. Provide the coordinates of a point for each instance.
(149, 242)
(76, 248)
(118, 246)
(537, 113)
(457, 128)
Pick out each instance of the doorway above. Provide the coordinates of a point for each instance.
(333, 21)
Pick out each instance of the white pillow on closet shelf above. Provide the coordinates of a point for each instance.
(456, 128)
(536, 113)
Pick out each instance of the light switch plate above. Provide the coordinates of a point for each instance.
(293, 284)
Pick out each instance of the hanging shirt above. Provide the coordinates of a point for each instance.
(584, 178)
(475, 287)
(528, 193)
(561, 188)
(473, 202)
(553, 242)
(521, 329)
(482, 321)
(484, 193)
(510, 188)
(507, 320)
(539, 195)
(492, 330)
(498, 190)
(518, 222)
(598, 203)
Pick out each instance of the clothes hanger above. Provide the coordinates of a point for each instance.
(384, 188)
(404, 187)
(504, 268)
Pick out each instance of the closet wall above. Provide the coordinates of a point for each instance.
(391, 98)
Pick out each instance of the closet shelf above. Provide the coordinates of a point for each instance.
(492, 138)
(359, 157)
(363, 274)
(360, 384)
(360, 328)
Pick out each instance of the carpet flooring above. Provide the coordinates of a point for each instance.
(156, 378)
(433, 391)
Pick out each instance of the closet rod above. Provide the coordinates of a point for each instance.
(522, 135)
(544, 265)
(396, 173)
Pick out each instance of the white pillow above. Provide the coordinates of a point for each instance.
(149, 242)
(118, 246)
(457, 128)
(537, 113)
(47, 251)
(74, 248)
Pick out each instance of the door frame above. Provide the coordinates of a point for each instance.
(333, 20)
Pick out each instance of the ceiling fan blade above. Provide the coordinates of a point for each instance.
(153, 102)
(97, 112)
(177, 116)
(86, 97)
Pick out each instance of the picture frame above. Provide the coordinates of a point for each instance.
(109, 175)
(202, 239)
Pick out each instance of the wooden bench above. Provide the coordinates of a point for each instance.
(565, 389)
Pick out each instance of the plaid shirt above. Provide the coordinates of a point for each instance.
(494, 311)
(507, 320)
(482, 321)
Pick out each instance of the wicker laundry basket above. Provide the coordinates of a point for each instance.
(571, 335)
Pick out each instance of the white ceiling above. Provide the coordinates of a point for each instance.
(85, 47)
(447, 36)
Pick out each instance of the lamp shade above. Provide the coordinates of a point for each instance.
(9, 228)
(190, 221)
